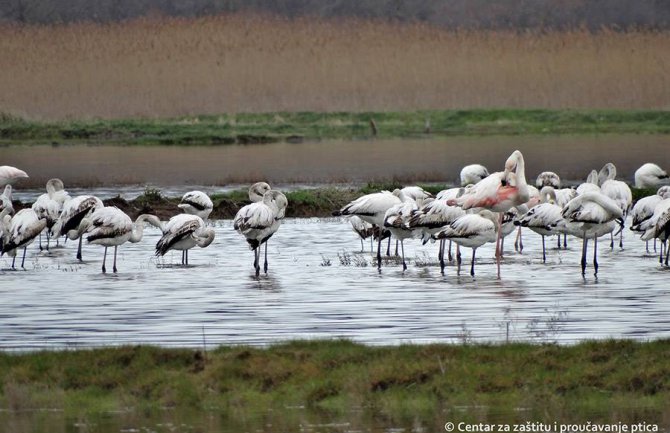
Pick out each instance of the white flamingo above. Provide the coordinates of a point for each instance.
(196, 203)
(259, 221)
(658, 227)
(257, 191)
(49, 206)
(544, 219)
(182, 232)
(650, 176)
(664, 191)
(430, 218)
(9, 175)
(590, 215)
(591, 184)
(396, 219)
(471, 230)
(20, 231)
(473, 173)
(74, 211)
(363, 229)
(617, 191)
(372, 209)
(642, 212)
(416, 193)
(109, 227)
(499, 192)
(548, 178)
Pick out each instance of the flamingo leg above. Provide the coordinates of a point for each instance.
(257, 256)
(565, 240)
(646, 244)
(498, 246)
(23, 261)
(14, 262)
(186, 256)
(40, 240)
(104, 259)
(660, 256)
(544, 254)
(48, 238)
(612, 240)
(114, 265)
(472, 263)
(402, 250)
(585, 242)
(388, 248)
(372, 242)
(396, 247)
(79, 249)
(379, 253)
(666, 253)
(595, 255)
(621, 238)
(362, 248)
(265, 265)
(183, 256)
(559, 242)
(518, 242)
(458, 254)
(451, 259)
(654, 244)
(441, 255)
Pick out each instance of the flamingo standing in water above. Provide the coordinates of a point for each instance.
(591, 215)
(372, 209)
(181, 232)
(499, 192)
(617, 191)
(472, 174)
(259, 221)
(49, 206)
(9, 175)
(650, 176)
(196, 203)
(74, 211)
(363, 229)
(110, 227)
(544, 219)
(471, 230)
(20, 231)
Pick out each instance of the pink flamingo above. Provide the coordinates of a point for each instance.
(499, 192)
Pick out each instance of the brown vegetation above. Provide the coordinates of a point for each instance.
(171, 67)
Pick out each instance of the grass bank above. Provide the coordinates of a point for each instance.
(595, 381)
(293, 127)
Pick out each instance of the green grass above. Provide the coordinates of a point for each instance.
(590, 381)
(271, 127)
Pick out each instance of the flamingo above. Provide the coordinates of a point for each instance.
(473, 173)
(650, 176)
(430, 218)
(471, 230)
(109, 226)
(181, 232)
(548, 178)
(533, 200)
(591, 184)
(259, 221)
(617, 191)
(590, 215)
(499, 192)
(417, 194)
(664, 191)
(49, 206)
(7, 194)
(363, 229)
(642, 212)
(544, 219)
(9, 175)
(657, 226)
(196, 203)
(396, 218)
(372, 209)
(257, 190)
(74, 211)
(20, 231)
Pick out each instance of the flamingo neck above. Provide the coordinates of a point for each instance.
(206, 239)
(521, 185)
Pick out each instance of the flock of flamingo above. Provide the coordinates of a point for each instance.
(489, 206)
(486, 208)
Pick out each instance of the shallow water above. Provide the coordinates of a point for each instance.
(328, 161)
(57, 302)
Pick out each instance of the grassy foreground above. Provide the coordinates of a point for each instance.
(291, 127)
(594, 381)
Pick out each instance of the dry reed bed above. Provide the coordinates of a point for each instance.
(170, 67)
